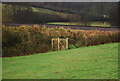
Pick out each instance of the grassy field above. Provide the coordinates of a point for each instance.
(106, 24)
(96, 23)
(93, 62)
(42, 10)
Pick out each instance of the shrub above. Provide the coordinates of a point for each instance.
(25, 40)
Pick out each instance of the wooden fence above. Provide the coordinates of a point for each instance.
(59, 43)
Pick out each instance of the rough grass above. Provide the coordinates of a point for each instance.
(65, 23)
(93, 62)
(106, 24)
(42, 10)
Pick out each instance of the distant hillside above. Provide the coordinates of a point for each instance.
(78, 7)
(49, 11)
(44, 12)
(16, 13)
(75, 7)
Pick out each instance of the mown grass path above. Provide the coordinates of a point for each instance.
(93, 62)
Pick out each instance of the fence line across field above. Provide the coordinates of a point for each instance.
(59, 45)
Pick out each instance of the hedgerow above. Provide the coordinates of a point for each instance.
(25, 40)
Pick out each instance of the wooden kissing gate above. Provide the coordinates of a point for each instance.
(59, 43)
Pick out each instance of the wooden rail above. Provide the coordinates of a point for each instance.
(58, 40)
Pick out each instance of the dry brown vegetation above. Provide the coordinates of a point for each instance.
(24, 40)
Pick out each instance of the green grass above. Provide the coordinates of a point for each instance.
(93, 62)
(66, 23)
(106, 24)
(42, 10)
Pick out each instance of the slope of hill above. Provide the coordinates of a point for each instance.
(48, 11)
(94, 62)
(14, 13)
(64, 12)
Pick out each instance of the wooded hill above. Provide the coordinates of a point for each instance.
(44, 12)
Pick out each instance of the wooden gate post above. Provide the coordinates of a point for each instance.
(52, 43)
(66, 43)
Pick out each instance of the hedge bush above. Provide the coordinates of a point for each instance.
(25, 40)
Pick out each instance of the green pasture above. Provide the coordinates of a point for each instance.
(95, 23)
(93, 62)
(105, 24)
(42, 10)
